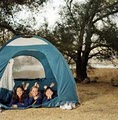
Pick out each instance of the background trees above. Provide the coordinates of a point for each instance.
(87, 31)
(84, 31)
(9, 16)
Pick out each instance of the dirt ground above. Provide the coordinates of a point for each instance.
(99, 101)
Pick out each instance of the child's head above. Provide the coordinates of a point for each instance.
(34, 91)
(48, 91)
(19, 91)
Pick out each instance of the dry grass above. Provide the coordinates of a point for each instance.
(103, 74)
(99, 101)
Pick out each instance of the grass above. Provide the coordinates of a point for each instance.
(103, 74)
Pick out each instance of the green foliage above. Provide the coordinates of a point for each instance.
(10, 9)
(88, 17)
(87, 31)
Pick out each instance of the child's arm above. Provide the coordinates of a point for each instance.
(31, 100)
(45, 99)
(25, 104)
(38, 101)
(11, 102)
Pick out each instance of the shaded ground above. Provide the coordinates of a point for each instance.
(99, 101)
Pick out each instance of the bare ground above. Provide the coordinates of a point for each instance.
(99, 101)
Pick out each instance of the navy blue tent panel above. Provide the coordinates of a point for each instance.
(55, 67)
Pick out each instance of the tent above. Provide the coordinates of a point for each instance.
(55, 67)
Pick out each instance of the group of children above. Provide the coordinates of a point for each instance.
(21, 98)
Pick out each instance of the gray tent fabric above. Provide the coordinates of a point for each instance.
(55, 66)
(7, 78)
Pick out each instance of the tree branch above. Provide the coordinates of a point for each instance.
(99, 45)
(3, 25)
(99, 53)
(105, 15)
(74, 20)
(109, 6)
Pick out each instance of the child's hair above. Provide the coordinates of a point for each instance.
(49, 87)
(15, 96)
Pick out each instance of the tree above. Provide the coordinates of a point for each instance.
(8, 17)
(87, 31)
(4, 35)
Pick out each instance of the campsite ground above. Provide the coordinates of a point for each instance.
(99, 101)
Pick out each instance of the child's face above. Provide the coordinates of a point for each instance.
(49, 92)
(19, 92)
(34, 92)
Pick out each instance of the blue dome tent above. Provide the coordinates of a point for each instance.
(55, 67)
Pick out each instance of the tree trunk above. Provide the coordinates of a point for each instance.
(81, 69)
(82, 58)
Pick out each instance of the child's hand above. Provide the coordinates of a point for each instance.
(14, 106)
(49, 95)
(36, 84)
(26, 86)
(52, 84)
(35, 98)
(23, 84)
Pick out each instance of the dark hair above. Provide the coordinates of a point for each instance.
(15, 96)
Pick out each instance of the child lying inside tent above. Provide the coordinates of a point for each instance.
(22, 99)
(19, 97)
(35, 96)
(49, 94)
